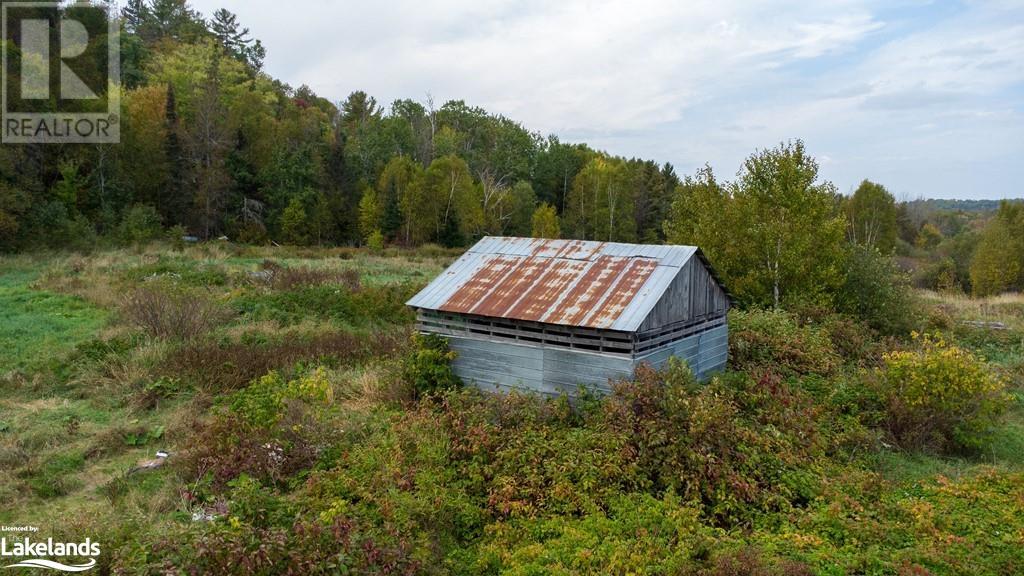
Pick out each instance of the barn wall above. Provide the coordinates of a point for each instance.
(506, 366)
(493, 365)
(693, 294)
(706, 352)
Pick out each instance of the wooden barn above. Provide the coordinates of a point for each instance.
(550, 315)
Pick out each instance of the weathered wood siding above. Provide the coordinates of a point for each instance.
(706, 353)
(693, 294)
(503, 366)
(493, 365)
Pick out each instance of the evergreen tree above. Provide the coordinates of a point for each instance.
(293, 223)
(230, 34)
(174, 201)
(135, 15)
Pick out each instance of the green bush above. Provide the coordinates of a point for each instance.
(371, 305)
(179, 270)
(274, 429)
(262, 404)
(638, 534)
(774, 341)
(140, 224)
(428, 367)
(878, 293)
(853, 340)
(738, 446)
(940, 397)
(939, 275)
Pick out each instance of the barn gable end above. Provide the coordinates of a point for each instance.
(694, 294)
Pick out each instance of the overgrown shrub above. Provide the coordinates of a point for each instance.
(749, 561)
(172, 314)
(291, 277)
(940, 397)
(428, 367)
(344, 546)
(939, 275)
(877, 292)
(637, 534)
(218, 367)
(853, 340)
(773, 341)
(736, 445)
(269, 430)
(376, 305)
(140, 224)
(521, 456)
(179, 270)
(262, 403)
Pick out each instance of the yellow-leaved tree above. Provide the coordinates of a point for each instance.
(545, 222)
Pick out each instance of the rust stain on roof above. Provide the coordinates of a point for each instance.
(559, 282)
(621, 295)
(511, 287)
(474, 290)
(537, 299)
(579, 301)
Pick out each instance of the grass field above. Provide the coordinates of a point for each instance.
(93, 381)
(70, 362)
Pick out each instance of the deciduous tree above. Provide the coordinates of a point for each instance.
(545, 222)
(871, 217)
(774, 233)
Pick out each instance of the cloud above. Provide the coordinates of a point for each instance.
(701, 81)
(915, 98)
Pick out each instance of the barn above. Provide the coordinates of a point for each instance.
(550, 315)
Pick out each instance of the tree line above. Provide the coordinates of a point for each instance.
(213, 146)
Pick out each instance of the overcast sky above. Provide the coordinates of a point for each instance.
(924, 97)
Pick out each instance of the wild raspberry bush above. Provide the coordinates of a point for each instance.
(737, 445)
(774, 341)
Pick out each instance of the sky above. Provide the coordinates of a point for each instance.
(924, 97)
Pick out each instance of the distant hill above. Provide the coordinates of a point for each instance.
(960, 205)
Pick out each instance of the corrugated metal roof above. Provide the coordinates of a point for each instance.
(604, 285)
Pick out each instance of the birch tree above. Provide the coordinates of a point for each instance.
(871, 217)
(775, 233)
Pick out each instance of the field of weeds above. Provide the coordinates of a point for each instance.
(288, 391)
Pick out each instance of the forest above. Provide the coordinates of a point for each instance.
(207, 365)
(213, 147)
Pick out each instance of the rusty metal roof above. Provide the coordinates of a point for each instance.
(604, 285)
